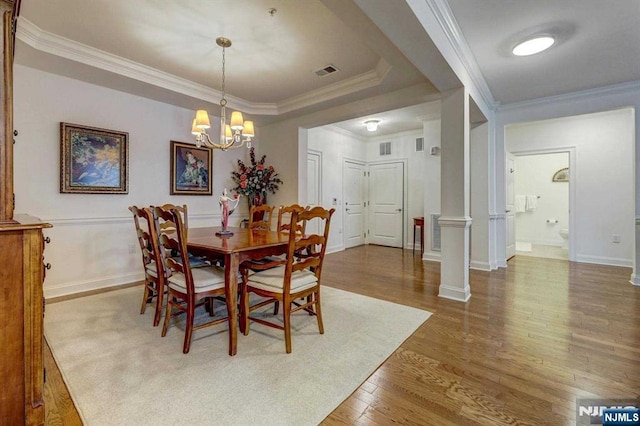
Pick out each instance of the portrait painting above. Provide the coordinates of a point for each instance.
(93, 160)
(190, 169)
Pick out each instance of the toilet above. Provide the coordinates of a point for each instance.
(564, 233)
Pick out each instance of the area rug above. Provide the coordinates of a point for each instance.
(119, 370)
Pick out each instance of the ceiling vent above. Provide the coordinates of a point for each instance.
(385, 148)
(329, 69)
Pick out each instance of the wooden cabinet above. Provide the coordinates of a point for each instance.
(21, 267)
(21, 318)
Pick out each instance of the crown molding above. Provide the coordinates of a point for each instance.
(339, 130)
(611, 90)
(51, 43)
(449, 25)
(344, 87)
(63, 47)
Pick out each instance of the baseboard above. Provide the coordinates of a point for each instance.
(601, 260)
(334, 249)
(635, 280)
(455, 293)
(434, 257)
(480, 266)
(84, 286)
(555, 243)
(502, 263)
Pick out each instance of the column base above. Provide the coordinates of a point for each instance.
(454, 293)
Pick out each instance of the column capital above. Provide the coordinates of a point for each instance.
(454, 221)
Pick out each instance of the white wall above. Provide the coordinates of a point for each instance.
(92, 232)
(403, 147)
(431, 177)
(604, 176)
(335, 147)
(533, 176)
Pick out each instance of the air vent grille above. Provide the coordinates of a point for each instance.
(435, 233)
(385, 148)
(329, 69)
(419, 144)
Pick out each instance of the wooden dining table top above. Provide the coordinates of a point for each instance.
(243, 239)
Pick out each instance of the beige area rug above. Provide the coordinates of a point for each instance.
(121, 372)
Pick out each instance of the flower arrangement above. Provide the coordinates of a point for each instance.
(255, 179)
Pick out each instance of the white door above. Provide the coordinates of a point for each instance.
(510, 216)
(314, 188)
(386, 199)
(354, 194)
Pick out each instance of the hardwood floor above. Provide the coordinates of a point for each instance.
(532, 339)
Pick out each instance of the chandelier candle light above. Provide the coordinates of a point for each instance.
(232, 135)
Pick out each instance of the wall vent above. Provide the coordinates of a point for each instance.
(329, 69)
(435, 233)
(419, 144)
(385, 148)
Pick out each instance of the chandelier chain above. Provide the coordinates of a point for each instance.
(223, 76)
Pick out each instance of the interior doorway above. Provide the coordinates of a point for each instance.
(541, 204)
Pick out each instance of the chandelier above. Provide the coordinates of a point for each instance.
(232, 135)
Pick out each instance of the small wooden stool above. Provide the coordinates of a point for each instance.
(418, 222)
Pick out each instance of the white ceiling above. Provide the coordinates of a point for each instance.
(166, 50)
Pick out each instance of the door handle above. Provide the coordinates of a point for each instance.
(347, 209)
(398, 210)
(507, 211)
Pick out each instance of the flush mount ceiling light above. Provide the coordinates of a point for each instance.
(372, 125)
(533, 45)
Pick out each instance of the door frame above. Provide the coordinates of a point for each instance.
(318, 186)
(571, 150)
(405, 201)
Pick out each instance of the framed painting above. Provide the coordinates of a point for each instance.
(93, 160)
(190, 169)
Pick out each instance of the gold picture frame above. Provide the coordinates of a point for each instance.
(190, 169)
(93, 160)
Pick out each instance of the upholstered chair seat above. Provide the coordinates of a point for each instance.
(204, 279)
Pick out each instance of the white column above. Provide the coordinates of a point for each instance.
(454, 219)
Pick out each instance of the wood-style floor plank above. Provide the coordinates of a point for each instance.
(533, 337)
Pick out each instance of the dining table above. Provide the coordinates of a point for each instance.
(243, 244)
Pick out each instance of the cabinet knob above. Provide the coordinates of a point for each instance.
(15, 133)
(47, 265)
(47, 240)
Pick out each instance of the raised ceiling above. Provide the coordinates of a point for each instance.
(166, 50)
(270, 66)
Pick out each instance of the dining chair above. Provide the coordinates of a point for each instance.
(154, 274)
(284, 225)
(187, 288)
(168, 226)
(264, 213)
(286, 281)
(184, 212)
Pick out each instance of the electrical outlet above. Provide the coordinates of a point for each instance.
(615, 238)
(132, 248)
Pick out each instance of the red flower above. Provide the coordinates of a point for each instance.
(243, 177)
(260, 166)
(243, 184)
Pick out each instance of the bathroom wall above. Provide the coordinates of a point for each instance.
(533, 176)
